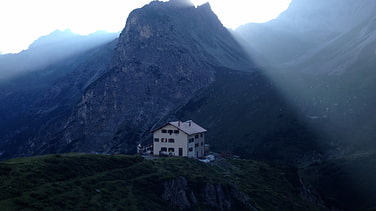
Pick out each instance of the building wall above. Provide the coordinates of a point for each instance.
(180, 141)
(196, 147)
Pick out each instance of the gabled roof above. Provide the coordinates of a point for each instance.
(188, 127)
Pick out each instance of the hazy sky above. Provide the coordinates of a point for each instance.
(23, 21)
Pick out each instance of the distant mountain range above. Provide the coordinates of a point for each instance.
(322, 55)
(307, 28)
(50, 49)
(297, 90)
(30, 97)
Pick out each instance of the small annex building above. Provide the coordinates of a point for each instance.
(184, 139)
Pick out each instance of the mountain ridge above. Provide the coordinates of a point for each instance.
(132, 88)
(49, 50)
(303, 27)
(331, 78)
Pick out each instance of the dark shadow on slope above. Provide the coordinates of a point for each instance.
(32, 101)
(245, 115)
(346, 183)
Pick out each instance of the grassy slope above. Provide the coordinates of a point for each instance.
(98, 182)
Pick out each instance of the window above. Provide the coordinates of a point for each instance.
(170, 131)
(164, 149)
(191, 140)
(164, 131)
(202, 143)
(171, 150)
(201, 135)
(196, 136)
(171, 140)
(156, 140)
(190, 149)
(176, 131)
(196, 144)
(164, 140)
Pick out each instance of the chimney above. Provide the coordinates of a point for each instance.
(178, 123)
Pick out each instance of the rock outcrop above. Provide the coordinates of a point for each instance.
(214, 196)
(310, 194)
(178, 195)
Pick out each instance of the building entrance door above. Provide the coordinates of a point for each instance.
(180, 152)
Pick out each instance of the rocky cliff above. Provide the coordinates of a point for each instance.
(216, 196)
(165, 54)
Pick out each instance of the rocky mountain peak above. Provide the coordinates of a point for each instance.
(166, 53)
(159, 23)
(181, 3)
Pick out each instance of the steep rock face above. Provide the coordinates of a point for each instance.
(214, 196)
(164, 56)
(175, 191)
(179, 26)
(310, 194)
